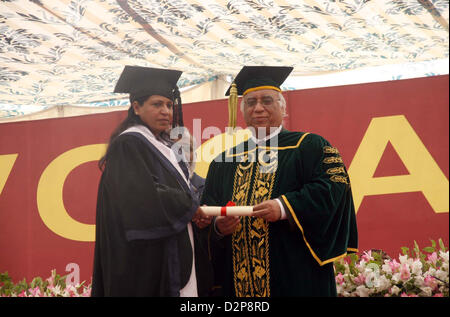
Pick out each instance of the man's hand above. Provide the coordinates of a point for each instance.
(268, 210)
(227, 225)
(200, 219)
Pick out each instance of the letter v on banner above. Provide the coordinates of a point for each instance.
(50, 193)
(6, 165)
(424, 173)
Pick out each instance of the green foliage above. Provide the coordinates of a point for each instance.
(55, 285)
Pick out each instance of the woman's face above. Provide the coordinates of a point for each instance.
(156, 112)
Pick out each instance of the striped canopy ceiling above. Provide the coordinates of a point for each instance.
(71, 52)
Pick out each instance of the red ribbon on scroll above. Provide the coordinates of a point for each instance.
(223, 210)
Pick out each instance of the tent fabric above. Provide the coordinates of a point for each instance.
(71, 52)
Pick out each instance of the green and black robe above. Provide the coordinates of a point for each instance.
(291, 257)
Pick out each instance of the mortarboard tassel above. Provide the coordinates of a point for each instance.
(232, 106)
(177, 109)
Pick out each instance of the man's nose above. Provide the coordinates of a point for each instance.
(259, 106)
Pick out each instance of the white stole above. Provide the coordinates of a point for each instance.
(190, 289)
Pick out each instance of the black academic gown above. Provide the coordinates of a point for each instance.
(142, 244)
(292, 257)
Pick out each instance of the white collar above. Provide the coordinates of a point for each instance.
(164, 149)
(263, 140)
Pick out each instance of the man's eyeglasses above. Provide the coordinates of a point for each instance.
(266, 101)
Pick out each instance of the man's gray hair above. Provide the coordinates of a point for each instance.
(281, 103)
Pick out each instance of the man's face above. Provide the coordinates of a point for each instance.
(262, 109)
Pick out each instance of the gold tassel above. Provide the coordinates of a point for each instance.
(232, 106)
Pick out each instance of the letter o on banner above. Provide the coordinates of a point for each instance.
(50, 193)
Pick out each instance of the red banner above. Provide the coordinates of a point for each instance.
(393, 137)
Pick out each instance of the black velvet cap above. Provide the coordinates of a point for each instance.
(260, 77)
(141, 81)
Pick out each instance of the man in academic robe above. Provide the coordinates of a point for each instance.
(303, 217)
(146, 243)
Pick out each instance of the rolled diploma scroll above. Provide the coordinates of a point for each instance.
(228, 210)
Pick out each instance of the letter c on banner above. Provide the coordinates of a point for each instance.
(50, 193)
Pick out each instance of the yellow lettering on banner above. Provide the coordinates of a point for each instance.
(425, 175)
(6, 165)
(50, 193)
(215, 145)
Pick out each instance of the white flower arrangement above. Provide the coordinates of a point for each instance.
(374, 274)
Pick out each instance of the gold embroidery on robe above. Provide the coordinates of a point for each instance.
(333, 171)
(339, 179)
(241, 186)
(333, 159)
(336, 170)
(250, 240)
(330, 150)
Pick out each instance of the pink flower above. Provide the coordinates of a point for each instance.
(430, 281)
(367, 256)
(50, 280)
(71, 291)
(394, 265)
(438, 295)
(348, 260)
(404, 272)
(432, 258)
(340, 278)
(22, 294)
(35, 291)
(360, 279)
(407, 295)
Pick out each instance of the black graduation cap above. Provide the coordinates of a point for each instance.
(260, 77)
(141, 81)
(146, 81)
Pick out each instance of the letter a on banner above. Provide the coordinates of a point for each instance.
(424, 173)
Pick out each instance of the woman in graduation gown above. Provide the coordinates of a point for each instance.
(146, 244)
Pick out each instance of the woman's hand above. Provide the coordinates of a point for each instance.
(200, 219)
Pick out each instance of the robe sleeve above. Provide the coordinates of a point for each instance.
(148, 208)
(322, 208)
